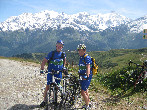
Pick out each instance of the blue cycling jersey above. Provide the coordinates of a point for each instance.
(82, 71)
(57, 62)
(82, 65)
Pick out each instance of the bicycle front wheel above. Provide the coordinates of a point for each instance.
(51, 98)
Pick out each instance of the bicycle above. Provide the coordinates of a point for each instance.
(72, 92)
(53, 100)
(65, 98)
(134, 79)
(138, 74)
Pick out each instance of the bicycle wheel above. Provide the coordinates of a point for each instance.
(51, 98)
(47, 100)
(62, 104)
(74, 94)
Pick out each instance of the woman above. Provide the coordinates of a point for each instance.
(85, 73)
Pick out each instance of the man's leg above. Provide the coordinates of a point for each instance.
(45, 92)
(45, 95)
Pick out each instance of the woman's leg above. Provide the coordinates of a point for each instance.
(87, 94)
(85, 97)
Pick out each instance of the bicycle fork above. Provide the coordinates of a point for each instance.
(52, 92)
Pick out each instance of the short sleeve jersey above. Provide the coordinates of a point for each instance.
(57, 62)
(82, 64)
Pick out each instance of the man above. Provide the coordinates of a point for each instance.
(56, 61)
(85, 72)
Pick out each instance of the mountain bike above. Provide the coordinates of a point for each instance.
(63, 97)
(55, 93)
(138, 74)
(72, 92)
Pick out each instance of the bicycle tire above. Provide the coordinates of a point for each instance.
(51, 98)
(75, 91)
(62, 104)
(48, 99)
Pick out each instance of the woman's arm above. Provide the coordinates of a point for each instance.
(88, 69)
(64, 62)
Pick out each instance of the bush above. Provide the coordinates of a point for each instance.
(122, 79)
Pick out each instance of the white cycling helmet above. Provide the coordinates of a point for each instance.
(81, 46)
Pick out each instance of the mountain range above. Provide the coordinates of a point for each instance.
(81, 21)
(38, 32)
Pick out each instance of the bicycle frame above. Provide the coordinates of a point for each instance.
(55, 88)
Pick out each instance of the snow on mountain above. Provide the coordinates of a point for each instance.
(138, 25)
(81, 21)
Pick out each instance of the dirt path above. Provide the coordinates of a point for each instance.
(22, 86)
(19, 85)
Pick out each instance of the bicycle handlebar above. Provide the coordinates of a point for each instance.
(133, 63)
(138, 65)
(54, 72)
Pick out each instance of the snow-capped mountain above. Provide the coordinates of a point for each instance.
(38, 32)
(50, 19)
(81, 21)
(138, 25)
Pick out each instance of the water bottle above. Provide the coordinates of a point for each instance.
(85, 77)
(60, 87)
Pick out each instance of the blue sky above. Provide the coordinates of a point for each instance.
(130, 8)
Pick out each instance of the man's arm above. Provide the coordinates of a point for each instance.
(43, 63)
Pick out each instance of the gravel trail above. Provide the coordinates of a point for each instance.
(20, 86)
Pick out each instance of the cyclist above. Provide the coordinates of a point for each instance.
(57, 61)
(85, 72)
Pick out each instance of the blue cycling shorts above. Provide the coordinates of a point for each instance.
(85, 83)
(49, 78)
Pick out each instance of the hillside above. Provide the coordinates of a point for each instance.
(38, 33)
(22, 85)
(38, 41)
(105, 59)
